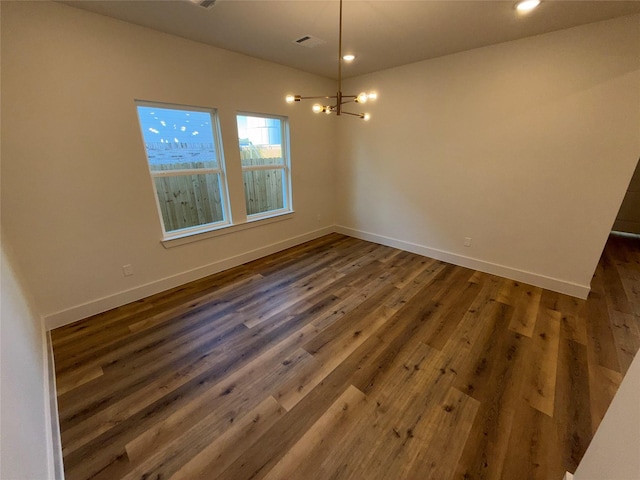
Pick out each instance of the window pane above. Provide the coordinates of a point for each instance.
(263, 190)
(260, 140)
(177, 139)
(189, 200)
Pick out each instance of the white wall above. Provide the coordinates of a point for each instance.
(527, 147)
(614, 452)
(77, 201)
(25, 445)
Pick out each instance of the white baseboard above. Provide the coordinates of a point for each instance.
(557, 285)
(568, 476)
(54, 441)
(626, 226)
(100, 305)
(103, 304)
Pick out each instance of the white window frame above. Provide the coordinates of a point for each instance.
(220, 171)
(285, 167)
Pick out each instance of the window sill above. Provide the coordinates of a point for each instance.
(226, 229)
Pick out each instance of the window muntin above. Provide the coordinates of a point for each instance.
(186, 165)
(263, 142)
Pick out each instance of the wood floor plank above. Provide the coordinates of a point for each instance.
(540, 378)
(264, 307)
(437, 377)
(344, 359)
(532, 453)
(616, 296)
(366, 257)
(190, 449)
(120, 318)
(426, 264)
(167, 315)
(80, 403)
(574, 328)
(572, 412)
(496, 385)
(562, 303)
(362, 360)
(451, 308)
(476, 377)
(345, 336)
(444, 430)
(304, 457)
(188, 320)
(600, 332)
(79, 377)
(229, 396)
(257, 460)
(626, 333)
(525, 300)
(351, 297)
(220, 453)
(372, 443)
(333, 344)
(178, 409)
(606, 383)
(320, 250)
(631, 284)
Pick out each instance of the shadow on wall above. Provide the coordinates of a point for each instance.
(628, 218)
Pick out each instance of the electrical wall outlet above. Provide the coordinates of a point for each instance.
(467, 241)
(127, 270)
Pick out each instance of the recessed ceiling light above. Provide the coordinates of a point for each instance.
(527, 5)
(349, 58)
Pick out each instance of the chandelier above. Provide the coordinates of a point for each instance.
(339, 98)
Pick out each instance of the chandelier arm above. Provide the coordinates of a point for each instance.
(354, 114)
(312, 98)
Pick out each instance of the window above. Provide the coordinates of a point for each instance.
(265, 164)
(186, 165)
(184, 154)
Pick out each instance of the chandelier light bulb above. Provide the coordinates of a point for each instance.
(362, 98)
(372, 95)
(349, 58)
(327, 110)
(366, 117)
(317, 108)
(290, 98)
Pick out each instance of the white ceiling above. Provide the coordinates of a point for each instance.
(383, 34)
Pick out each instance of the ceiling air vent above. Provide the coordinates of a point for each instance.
(309, 41)
(205, 3)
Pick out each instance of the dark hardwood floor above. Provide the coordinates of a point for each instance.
(343, 359)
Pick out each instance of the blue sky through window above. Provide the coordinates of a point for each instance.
(179, 137)
(163, 125)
